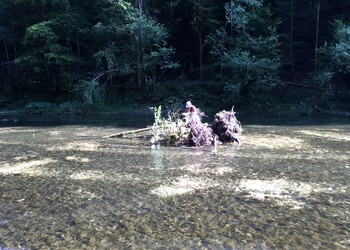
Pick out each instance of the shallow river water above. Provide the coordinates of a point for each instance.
(63, 185)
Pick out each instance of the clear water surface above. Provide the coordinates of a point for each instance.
(64, 185)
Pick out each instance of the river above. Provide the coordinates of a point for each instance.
(64, 185)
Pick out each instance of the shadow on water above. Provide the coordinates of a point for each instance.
(36, 120)
(63, 185)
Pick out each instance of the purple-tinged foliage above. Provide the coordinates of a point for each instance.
(226, 126)
(200, 133)
(192, 132)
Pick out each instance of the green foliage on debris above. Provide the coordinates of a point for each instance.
(169, 130)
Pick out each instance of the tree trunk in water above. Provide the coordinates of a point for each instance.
(128, 132)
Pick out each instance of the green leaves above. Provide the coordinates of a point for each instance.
(39, 34)
(337, 54)
(42, 41)
(57, 55)
(334, 61)
(136, 45)
(240, 12)
(89, 92)
(124, 5)
(249, 58)
(340, 51)
(46, 60)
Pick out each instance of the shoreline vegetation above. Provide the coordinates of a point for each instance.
(75, 108)
(287, 101)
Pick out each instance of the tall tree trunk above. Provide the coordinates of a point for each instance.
(78, 43)
(200, 54)
(6, 50)
(291, 39)
(139, 4)
(198, 26)
(14, 40)
(139, 59)
(139, 69)
(317, 33)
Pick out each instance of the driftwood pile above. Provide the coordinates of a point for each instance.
(200, 134)
(224, 128)
(188, 129)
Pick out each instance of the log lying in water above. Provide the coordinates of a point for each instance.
(127, 132)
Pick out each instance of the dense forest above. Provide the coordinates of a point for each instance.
(252, 53)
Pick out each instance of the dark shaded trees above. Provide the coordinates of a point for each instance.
(128, 47)
(333, 74)
(46, 60)
(46, 41)
(63, 42)
(302, 23)
(134, 47)
(189, 22)
(247, 50)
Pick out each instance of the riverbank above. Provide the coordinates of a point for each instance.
(300, 109)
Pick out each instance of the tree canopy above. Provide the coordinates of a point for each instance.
(238, 50)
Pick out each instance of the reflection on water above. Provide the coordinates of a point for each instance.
(68, 187)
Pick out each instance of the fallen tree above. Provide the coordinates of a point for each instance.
(188, 129)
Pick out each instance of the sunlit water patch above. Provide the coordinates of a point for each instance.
(81, 146)
(183, 185)
(284, 192)
(335, 134)
(77, 159)
(29, 167)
